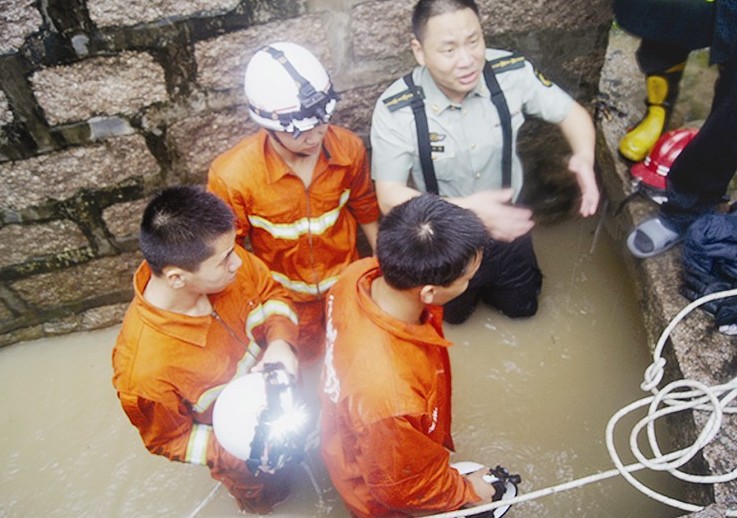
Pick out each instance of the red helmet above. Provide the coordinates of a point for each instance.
(654, 169)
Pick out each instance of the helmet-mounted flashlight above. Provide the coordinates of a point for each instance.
(279, 436)
(258, 418)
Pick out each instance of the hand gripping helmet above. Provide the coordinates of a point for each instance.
(257, 419)
(505, 484)
(653, 171)
(288, 89)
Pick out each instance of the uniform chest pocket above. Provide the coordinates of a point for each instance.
(445, 155)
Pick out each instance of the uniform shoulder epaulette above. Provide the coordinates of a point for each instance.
(400, 100)
(506, 63)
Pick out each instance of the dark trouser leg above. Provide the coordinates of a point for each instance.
(656, 57)
(699, 177)
(508, 279)
(460, 308)
(687, 24)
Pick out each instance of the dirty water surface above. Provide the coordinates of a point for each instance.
(533, 395)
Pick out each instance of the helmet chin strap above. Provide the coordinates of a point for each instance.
(275, 135)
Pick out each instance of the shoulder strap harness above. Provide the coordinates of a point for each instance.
(415, 98)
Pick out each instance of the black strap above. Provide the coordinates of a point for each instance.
(423, 136)
(505, 119)
(312, 102)
(423, 133)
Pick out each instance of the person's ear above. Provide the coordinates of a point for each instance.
(427, 294)
(175, 277)
(417, 51)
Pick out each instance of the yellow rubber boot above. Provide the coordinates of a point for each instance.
(662, 91)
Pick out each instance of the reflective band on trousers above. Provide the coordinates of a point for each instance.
(302, 226)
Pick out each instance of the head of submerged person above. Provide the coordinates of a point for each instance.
(187, 236)
(449, 41)
(430, 244)
(290, 94)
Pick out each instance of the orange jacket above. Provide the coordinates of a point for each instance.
(305, 234)
(169, 368)
(385, 425)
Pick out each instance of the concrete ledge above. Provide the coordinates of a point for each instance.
(696, 349)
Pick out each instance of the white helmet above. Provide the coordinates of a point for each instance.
(288, 89)
(256, 419)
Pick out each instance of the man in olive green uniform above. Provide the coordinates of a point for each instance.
(466, 143)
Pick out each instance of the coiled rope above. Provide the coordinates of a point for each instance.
(677, 396)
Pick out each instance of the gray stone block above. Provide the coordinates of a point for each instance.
(381, 29)
(109, 12)
(116, 85)
(21, 242)
(18, 19)
(6, 116)
(103, 316)
(5, 314)
(222, 61)
(58, 176)
(95, 278)
(356, 106)
(124, 219)
(514, 17)
(198, 140)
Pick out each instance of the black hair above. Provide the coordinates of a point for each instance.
(180, 225)
(426, 9)
(428, 240)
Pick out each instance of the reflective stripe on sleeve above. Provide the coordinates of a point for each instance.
(302, 226)
(197, 445)
(247, 361)
(256, 317)
(261, 312)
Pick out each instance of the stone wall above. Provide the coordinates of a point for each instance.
(102, 102)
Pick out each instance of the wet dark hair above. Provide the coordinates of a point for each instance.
(428, 240)
(179, 227)
(426, 9)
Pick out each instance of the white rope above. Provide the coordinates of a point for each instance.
(315, 485)
(209, 498)
(678, 396)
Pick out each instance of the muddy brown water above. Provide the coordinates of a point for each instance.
(533, 395)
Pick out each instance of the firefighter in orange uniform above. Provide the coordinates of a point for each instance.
(205, 311)
(386, 387)
(299, 187)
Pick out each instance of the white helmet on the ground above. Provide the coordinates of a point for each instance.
(288, 89)
(256, 419)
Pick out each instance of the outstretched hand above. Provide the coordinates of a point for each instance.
(586, 179)
(504, 221)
